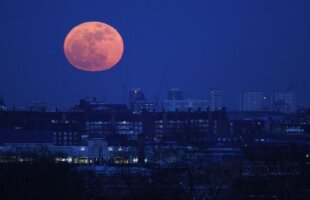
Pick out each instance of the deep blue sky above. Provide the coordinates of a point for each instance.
(233, 45)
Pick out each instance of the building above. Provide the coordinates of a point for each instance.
(66, 138)
(194, 123)
(215, 99)
(96, 106)
(254, 101)
(136, 94)
(25, 138)
(175, 94)
(2, 104)
(138, 102)
(37, 106)
(283, 102)
(97, 150)
(143, 106)
(185, 105)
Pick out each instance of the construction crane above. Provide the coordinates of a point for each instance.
(157, 97)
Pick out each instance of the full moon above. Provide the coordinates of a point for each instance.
(93, 46)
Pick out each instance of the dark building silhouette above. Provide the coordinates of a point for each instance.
(2, 104)
(136, 94)
(138, 103)
(283, 102)
(175, 94)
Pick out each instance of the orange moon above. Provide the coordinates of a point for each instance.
(93, 46)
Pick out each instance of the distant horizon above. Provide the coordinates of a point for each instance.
(104, 100)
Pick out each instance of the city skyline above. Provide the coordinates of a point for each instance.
(175, 100)
(154, 100)
(192, 46)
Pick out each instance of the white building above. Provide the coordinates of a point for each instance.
(215, 99)
(254, 101)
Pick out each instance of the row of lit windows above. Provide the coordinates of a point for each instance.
(64, 138)
(181, 126)
(110, 122)
(66, 143)
(227, 139)
(61, 121)
(65, 133)
(185, 121)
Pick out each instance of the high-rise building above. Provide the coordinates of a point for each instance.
(254, 101)
(283, 102)
(175, 94)
(185, 105)
(215, 99)
(138, 102)
(176, 102)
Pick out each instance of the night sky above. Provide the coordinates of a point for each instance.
(232, 45)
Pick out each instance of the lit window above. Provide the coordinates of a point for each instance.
(135, 160)
(69, 159)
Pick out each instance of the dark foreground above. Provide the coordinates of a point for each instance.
(47, 180)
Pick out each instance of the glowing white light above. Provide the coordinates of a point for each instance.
(135, 160)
